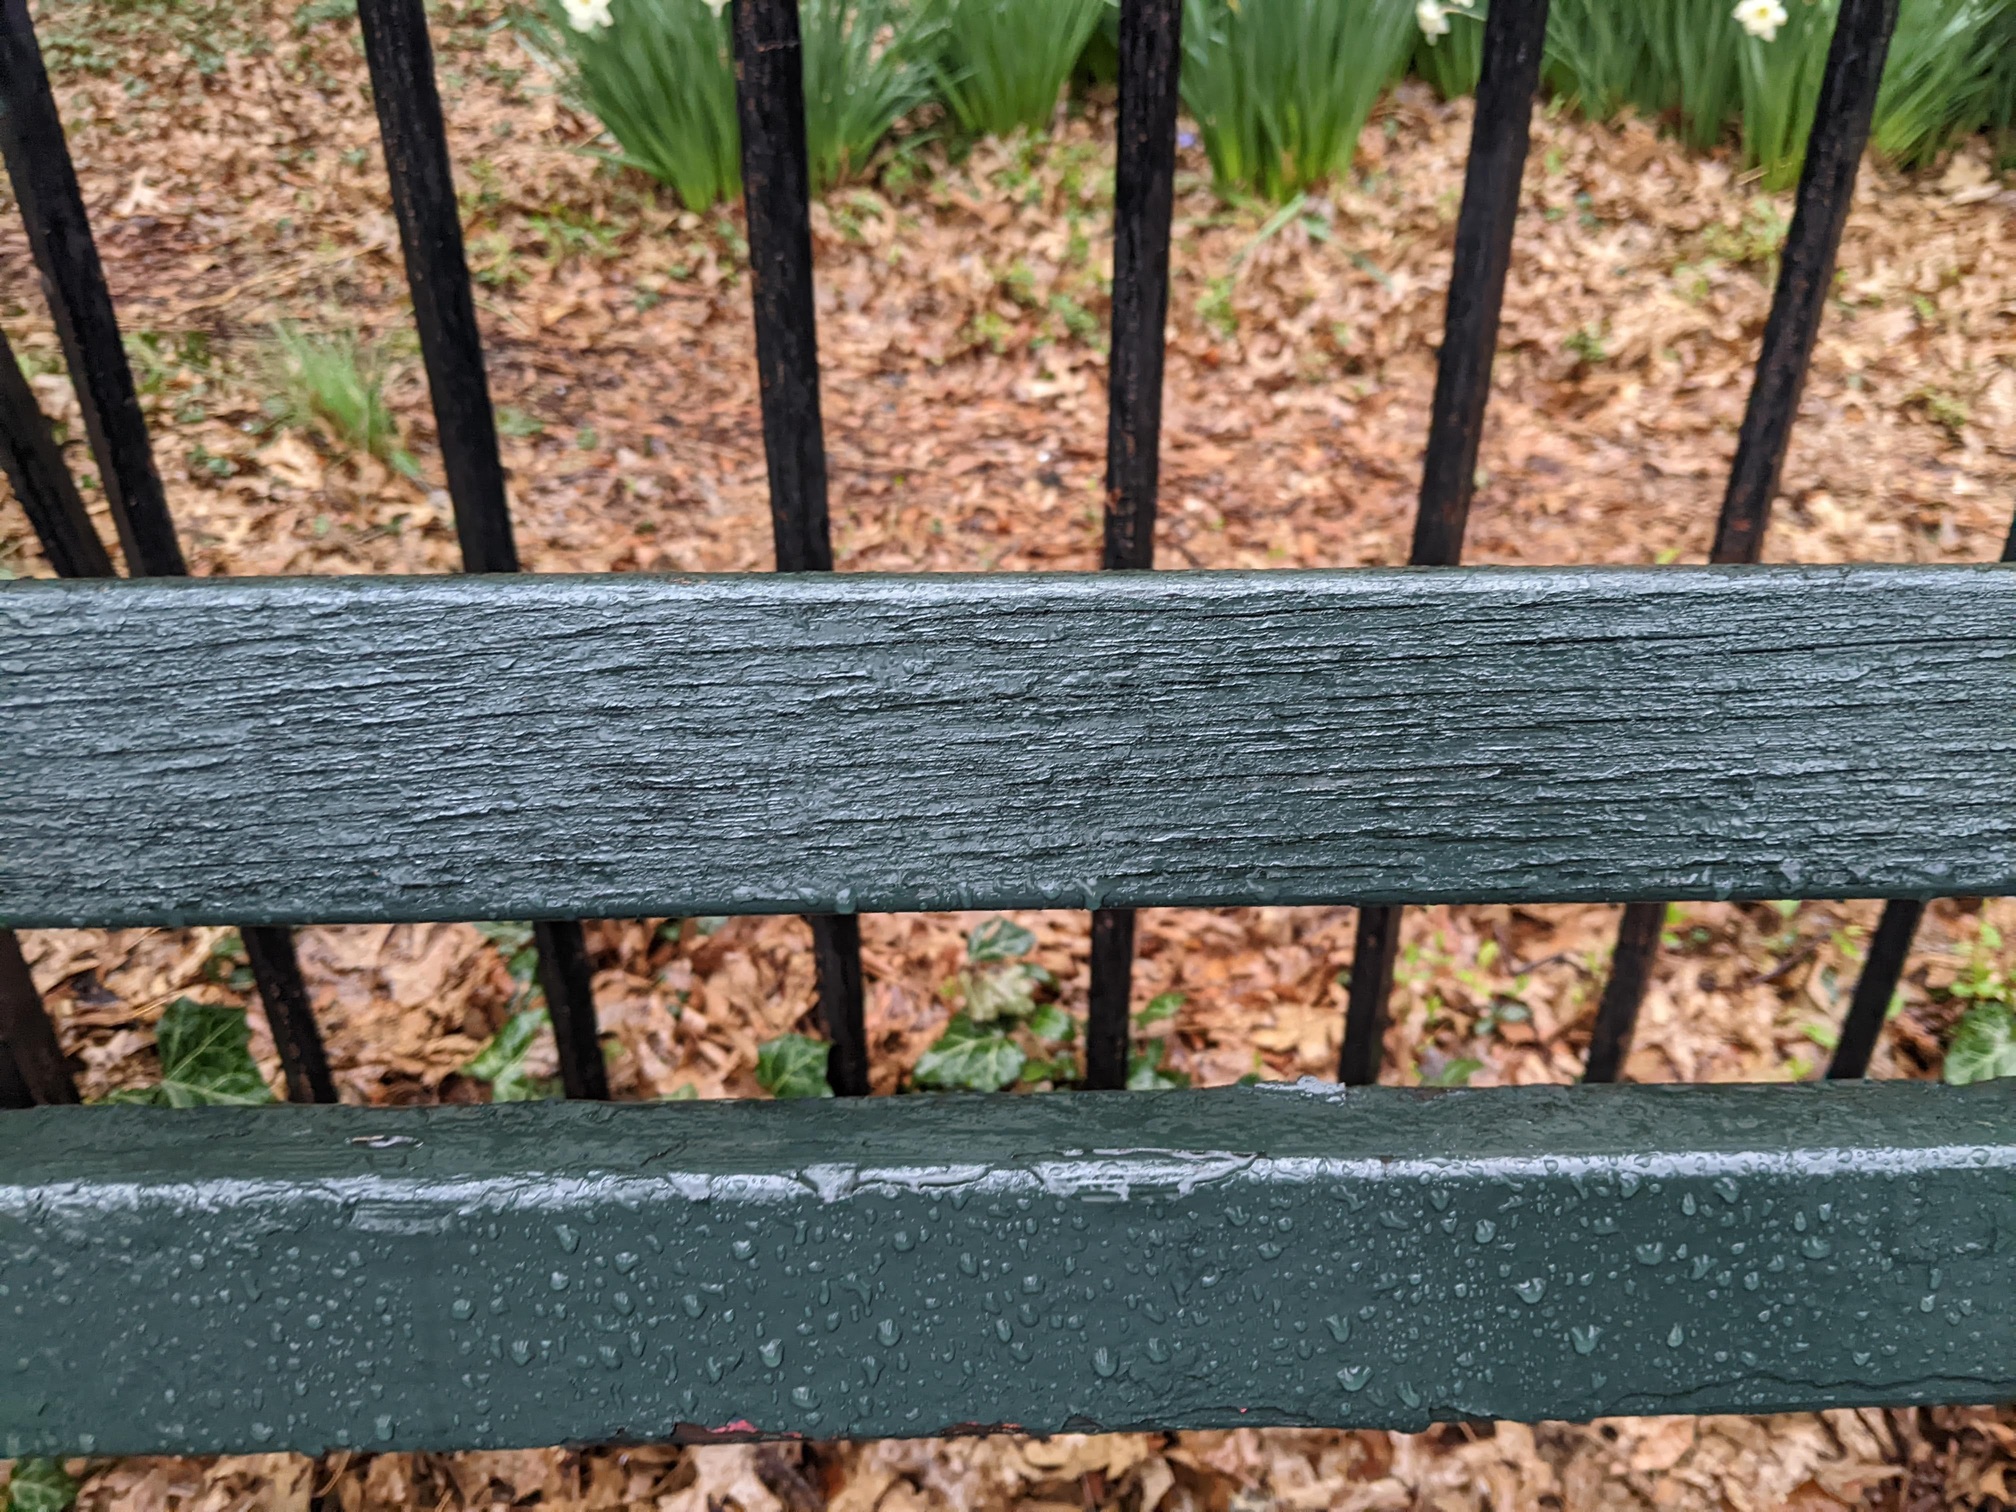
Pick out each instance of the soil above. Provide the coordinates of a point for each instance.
(230, 162)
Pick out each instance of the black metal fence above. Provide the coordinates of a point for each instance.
(776, 185)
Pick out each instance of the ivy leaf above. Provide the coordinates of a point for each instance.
(1455, 1073)
(204, 1060)
(1984, 1045)
(1061, 1069)
(1161, 1006)
(793, 1065)
(967, 1058)
(1003, 993)
(999, 939)
(501, 1061)
(515, 943)
(1053, 1025)
(1145, 1073)
(40, 1485)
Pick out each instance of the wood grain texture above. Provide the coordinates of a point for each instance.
(457, 1278)
(365, 749)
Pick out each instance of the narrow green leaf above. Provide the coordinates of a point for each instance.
(1456, 1073)
(793, 1065)
(1161, 1006)
(966, 1058)
(999, 939)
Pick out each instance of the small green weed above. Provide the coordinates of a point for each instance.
(336, 385)
(501, 1061)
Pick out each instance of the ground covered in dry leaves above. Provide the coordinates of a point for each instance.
(230, 161)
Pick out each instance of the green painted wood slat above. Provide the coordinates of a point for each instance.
(302, 1277)
(631, 747)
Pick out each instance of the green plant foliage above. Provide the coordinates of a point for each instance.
(865, 69)
(39, 1485)
(969, 1058)
(660, 76)
(1452, 61)
(336, 385)
(1145, 1072)
(1281, 88)
(1984, 1041)
(501, 1061)
(1000, 64)
(999, 940)
(793, 1065)
(661, 79)
(1947, 59)
(1158, 1008)
(205, 1060)
(1053, 1025)
(516, 943)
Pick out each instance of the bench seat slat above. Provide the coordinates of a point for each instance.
(307, 1278)
(384, 749)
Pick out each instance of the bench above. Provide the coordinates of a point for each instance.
(278, 753)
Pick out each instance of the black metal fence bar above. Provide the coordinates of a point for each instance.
(1889, 947)
(1515, 35)
(415, 138)
(31, 1061)
(776, 187)
(277, 970)
(1151, 56)
(48, 494)
(59, 233)
(1841, 120)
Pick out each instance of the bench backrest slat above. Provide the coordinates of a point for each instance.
(366, 749)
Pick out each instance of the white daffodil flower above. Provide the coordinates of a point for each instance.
(588, 15)
(1761, 18)
(1433, 19)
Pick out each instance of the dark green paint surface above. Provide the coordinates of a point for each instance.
(365, 749)
(306, 1277)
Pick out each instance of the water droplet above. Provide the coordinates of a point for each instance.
(889, 1332)
(772, 1351)
(871, 1368)
(1531, 1291)
(742, 1249)
(1486, 1230)
(558, 1281)
(462, 1308)
(626, 1263)
(1408, 1394)
(521, 1351)
(1354, 1377)
(1103, 1361)
(1584, 1337)
(384, 1427)
(1676, 1338)
(1688, 1205)
(902, 1240)
(1340, 1328)
(803, 1396)
(570, 1239)
(1726, 1188)
(1627, 1184)
(1816, 1248)
(1651, 1254)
